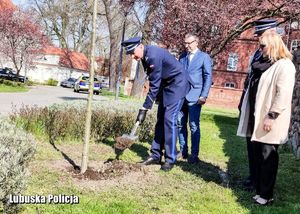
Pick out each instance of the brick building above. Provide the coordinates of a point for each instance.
(231, 66)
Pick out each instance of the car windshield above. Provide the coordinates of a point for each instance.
(72, 80)
(87, 78)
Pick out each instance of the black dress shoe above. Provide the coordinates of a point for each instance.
(193, 160)
(150, 160)
(167, 166)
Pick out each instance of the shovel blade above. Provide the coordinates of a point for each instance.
(124, 142)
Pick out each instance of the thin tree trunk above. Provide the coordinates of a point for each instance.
(147, 29)
(139, 81)
(114, 22)
(85, 152)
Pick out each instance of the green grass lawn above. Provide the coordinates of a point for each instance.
(185, 189)
(6, 88)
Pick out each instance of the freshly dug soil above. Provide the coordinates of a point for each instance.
(109, 170)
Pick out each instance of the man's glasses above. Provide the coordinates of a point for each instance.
(188, 43)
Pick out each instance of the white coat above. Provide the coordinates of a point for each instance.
(274, 94)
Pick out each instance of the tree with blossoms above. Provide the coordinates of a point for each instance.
(219, 22)
(20, 38)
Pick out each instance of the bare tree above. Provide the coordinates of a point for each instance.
(115, 19)
(65, 21)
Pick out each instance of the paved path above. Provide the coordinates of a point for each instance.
(40, 96)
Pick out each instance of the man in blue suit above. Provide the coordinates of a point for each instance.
(198, 65)
(168, 84)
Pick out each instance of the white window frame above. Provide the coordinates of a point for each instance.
(294, 44)
(229, 85)
(295, 25)
(232, 62)
(214, 30)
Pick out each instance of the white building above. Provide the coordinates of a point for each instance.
(58, 64)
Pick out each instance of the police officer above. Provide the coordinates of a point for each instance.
(169, 83)
(261, 26)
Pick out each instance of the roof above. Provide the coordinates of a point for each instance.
(70, 59)
(6, 4)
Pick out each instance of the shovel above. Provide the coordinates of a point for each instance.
(125, 141)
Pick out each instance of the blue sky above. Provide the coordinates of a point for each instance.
(19, 2)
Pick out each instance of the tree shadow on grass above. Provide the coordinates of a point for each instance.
(206, 171)
(236, 149)
(66, 157)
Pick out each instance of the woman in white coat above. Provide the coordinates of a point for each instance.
(266, 111)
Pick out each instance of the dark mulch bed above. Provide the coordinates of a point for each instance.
(109, 170)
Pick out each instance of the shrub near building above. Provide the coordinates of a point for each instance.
(16, 150)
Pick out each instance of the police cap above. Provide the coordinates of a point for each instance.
(131, 44)
(263, 25)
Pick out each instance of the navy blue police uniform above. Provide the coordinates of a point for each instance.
(168, 84)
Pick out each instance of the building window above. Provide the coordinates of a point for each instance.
(232, 62)
(229, 85)
(214, 30)
(295, 44)
(295, 25)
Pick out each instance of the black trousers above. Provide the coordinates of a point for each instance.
(266, 160)
(250, 159)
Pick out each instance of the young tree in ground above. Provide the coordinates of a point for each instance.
(87, 132)
(20, 38)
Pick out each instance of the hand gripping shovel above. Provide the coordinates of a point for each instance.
(125, 141)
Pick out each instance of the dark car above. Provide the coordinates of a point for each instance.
(68, 83)
(9, 74)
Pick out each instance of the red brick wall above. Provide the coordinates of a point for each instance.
(223, 97)
(221, 77)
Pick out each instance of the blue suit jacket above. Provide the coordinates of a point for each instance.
(200, 74)
(167, 77)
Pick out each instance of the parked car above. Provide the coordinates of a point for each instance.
(68, 83)
(104, 80)
(82, 84)
(10, 74)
